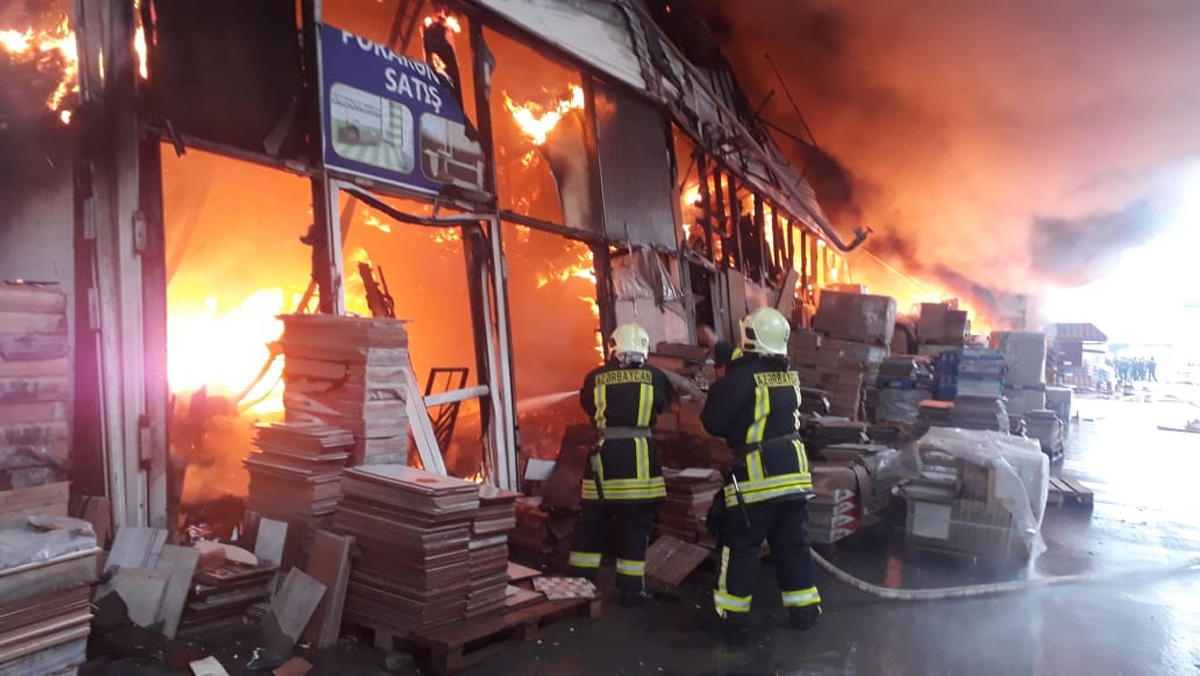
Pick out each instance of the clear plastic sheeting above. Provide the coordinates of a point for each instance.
(42, 538)
(1018, 473)
(642, 274)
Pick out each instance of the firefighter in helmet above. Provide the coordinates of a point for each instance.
(755, 407)
(623, 479)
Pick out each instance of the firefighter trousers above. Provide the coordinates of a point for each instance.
(633, 521)
(783, 523)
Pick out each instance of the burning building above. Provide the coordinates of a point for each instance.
(524, 175)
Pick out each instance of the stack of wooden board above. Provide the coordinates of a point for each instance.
(690, 493)
(488, 551)
(46, 573)
(826, 431)
(413, 530)
(219, 597)
(294, 476)
(350, 372)
(34, 384)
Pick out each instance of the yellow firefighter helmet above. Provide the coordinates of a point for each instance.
(765, 331)
(629, 342)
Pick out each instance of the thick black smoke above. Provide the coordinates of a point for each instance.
(1020, 143)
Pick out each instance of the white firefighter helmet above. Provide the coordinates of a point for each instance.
(629, 342)
(765, 331)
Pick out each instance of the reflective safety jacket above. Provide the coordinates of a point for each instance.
(623, 404)
(755, 407)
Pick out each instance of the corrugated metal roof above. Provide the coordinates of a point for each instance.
(1087, 332)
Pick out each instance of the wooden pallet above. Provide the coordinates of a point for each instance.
(1067, 491)
(450, 649)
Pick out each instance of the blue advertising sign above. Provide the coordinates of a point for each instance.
(390, 118)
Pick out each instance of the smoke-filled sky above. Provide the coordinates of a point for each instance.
(1027, 145)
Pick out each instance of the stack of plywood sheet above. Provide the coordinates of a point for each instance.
(413, 529)
(488, 551)
(47, 567)
(351, 373)
(294, 476)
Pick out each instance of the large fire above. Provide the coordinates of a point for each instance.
(55, 50)
(50, 50)
(537, 120)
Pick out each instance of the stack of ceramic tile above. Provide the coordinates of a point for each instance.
(47, 566)
(690, 493)
(942, 327)
(350, 372)
(294, 475)
(488, 551)
(413, 530)
(34, 383)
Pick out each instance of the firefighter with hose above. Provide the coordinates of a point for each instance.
(623, 479)
(755, 407)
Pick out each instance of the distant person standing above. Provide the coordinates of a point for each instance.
(1152, 368)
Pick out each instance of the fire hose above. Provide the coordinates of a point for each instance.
(970, 591)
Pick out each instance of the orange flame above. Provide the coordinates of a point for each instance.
(449, 20)
(54, 48)
(536, 120)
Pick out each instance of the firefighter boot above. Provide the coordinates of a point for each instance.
(803, 618)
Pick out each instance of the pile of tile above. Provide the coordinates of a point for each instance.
(294, 475)
(34, 383)
(1045, 426)
(350, 372)
(413, 529)
(979, 413)
(1058, 399)
(488, 551)
(45, 612)
(221, 595)
(690, 493)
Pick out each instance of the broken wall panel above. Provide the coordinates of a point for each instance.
(635, 170)
(543, 147)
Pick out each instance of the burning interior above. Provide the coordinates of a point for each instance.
(622, 188)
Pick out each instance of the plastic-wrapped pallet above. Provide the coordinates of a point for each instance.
(1024, 355)
(995, 502)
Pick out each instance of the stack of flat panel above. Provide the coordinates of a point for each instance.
(689, 495)
(488, 551)
(46, 573)
(413, 529)
(219, 597)
(349, 372)
(294, 475)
